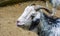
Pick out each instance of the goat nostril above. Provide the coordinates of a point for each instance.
(18, 21)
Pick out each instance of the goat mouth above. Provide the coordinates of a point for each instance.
(23, 27)
(20, 26)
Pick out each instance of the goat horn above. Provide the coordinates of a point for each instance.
(44, 9)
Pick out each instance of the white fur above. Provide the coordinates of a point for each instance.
(24, 17)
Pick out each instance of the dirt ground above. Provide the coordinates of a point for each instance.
(9, 16)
